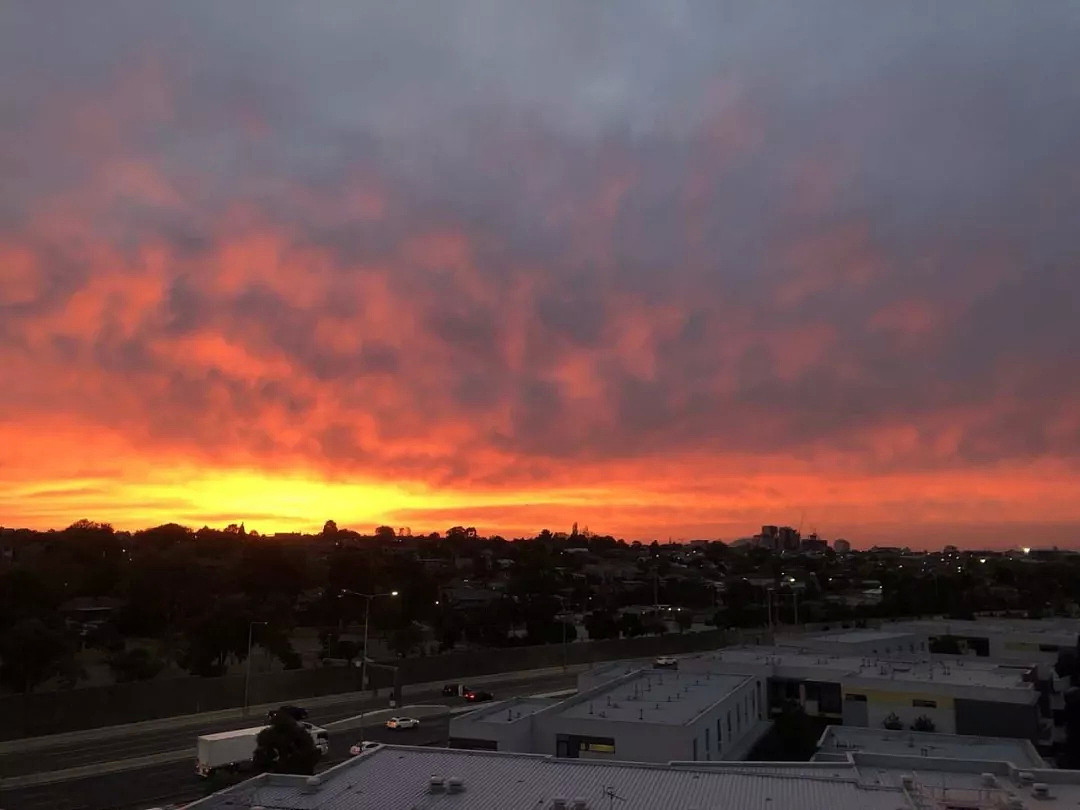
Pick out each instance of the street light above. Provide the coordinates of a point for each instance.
(247, 670)
(364, 656)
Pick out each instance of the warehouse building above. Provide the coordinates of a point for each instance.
(645, 715)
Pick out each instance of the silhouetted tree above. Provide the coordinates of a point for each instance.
(923, 723)
(285, 747)
(137, 664)
(32, 652)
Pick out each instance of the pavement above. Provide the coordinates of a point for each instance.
(143, 764)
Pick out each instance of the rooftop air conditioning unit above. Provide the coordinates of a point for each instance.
(455, 784)
(1026, 777)
(989, 780)
(436, 784)
(558, 803)
(579, 804)
(1040, 790)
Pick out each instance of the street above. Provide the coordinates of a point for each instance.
(175, 781)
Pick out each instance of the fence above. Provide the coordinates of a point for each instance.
(91, 707)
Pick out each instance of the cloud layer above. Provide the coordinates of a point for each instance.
(663, 269)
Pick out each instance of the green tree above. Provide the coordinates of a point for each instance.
(285, 747)
(385, 533)
(630, 625)
(601, 624)
(32, 652)
(923, 723)
(136, 664)
(405, 638)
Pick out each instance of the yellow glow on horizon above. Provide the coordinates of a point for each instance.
(267, 502)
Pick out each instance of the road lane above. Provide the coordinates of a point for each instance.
(177, 782)
(143, 743)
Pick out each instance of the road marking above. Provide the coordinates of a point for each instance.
(419, 711)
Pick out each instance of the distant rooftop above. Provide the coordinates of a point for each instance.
(510, 711)
(863, 636)
(961, 672)
(655, 696)
(839, 740)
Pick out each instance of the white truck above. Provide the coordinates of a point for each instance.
(233, 750)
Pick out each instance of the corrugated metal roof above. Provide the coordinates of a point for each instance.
(396, 778)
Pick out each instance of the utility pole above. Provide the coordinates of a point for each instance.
(247, 669)
(364, 656)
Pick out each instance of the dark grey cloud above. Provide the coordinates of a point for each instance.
(685, 195)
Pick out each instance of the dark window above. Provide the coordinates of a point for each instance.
(719, 736)
(706, 743)
(855, 698)
(924, 704)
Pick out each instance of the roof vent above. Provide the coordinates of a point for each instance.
(579, 804)
(1040, 790)
(989, 780)
(312, 784)
(455, 784)
(908, 781)
(436, 784)
(558, 803)
(1014, 803)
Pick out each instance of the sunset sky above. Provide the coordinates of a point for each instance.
(664, 269)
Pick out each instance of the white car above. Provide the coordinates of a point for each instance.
(666, 661)
(362, 747)
(401, 723)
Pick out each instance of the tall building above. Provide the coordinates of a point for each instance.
(841, 546)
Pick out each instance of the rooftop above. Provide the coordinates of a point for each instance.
(960, 673)
(398, 778)
(510, 711)
(863, 636)
(654, 696)
(839, 740)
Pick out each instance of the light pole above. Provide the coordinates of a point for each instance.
(364, 655)
(247, 670)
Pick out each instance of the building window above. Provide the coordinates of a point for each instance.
(729, 725)
(708, 755)
(719, 736)
(695, 749)
(854, 697)
(924, 704)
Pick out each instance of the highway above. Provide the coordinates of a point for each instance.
(175, 781)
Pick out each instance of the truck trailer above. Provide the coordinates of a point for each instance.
(233, 750)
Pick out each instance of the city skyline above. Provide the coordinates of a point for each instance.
(666, 272)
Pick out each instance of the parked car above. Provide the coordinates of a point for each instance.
(666, 662)
(356, 749)
(478, 695)
(402, 723)
(298, 713)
